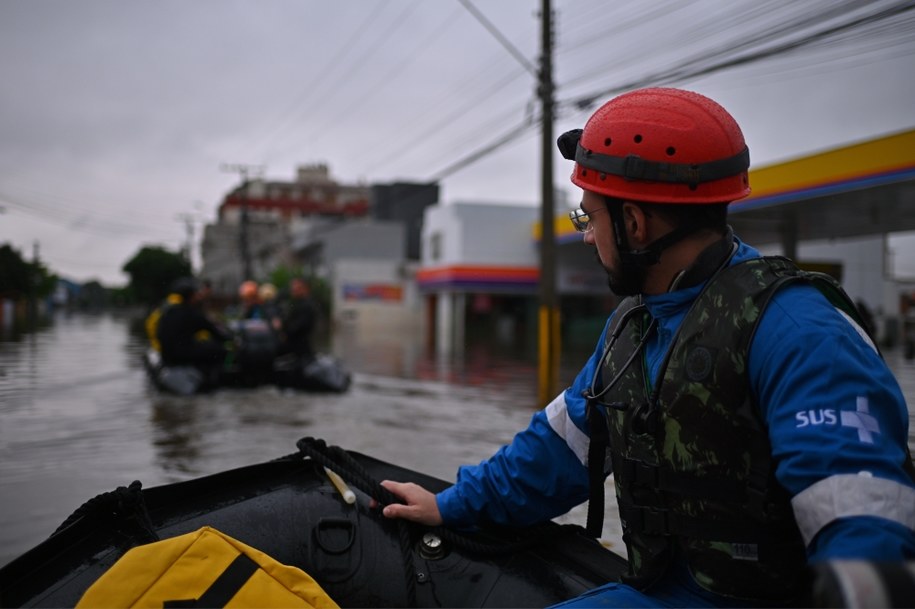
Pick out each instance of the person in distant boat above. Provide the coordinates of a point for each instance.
(299, 321)
(151, 323)
(751, 425)
(250, 300)
(186, 335)
(204, 296)
(269, 310)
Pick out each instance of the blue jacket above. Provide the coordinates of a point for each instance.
(838, 427)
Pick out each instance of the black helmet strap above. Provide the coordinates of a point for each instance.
(633, 167)
(634, 262)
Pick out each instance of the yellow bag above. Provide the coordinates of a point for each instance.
(152, 321)
(205, 568)
(152, 325)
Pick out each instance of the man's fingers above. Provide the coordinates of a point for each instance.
(415, 504)
(399, 489)
(393, 511)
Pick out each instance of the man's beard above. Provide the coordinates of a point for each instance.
(627, 281)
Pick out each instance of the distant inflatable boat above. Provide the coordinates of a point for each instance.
(253, 362)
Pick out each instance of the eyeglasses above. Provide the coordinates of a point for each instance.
(581, 219)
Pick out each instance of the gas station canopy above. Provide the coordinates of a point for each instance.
(858, 190)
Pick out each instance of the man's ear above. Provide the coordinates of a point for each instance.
(636, 222)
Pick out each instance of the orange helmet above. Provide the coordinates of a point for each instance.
(248, 289)
(660, 145)
(267, 291)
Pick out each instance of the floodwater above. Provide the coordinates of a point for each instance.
(78, 417)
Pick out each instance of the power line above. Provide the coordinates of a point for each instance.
(473, 97)
(690, 69)
(502, 140)
(386, 78)
(314, 85)
(346, 76)
(390, 156)
(702, 65)
(56, 203)
(505, 42)
(78, 220)
(472, 101)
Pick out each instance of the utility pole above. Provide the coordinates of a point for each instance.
(243, 246)
(188, 220)
(548, 335)
(548, 312)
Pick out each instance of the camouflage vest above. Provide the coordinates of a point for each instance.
(691, 457)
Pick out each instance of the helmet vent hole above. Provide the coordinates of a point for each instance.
(603, 176)
(671, 151)
(637, 139)
(693, 186)
(607, 142)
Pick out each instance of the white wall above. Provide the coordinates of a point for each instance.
(480, 234)
(864, 272)
(375, 315)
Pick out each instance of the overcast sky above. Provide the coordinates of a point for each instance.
(116, 115)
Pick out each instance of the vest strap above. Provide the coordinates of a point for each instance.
(663, 479)
(597, 469)
(224, 588)
(667, 523)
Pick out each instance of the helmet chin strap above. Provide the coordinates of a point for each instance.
(633, 263)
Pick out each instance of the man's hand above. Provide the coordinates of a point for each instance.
(420, 505)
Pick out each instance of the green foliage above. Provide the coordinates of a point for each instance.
(320, 293)
(20, 278)
(282, 275)
(152, 270)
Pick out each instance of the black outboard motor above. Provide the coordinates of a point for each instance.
(258, 346)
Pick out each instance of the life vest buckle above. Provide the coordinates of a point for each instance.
(653, 521)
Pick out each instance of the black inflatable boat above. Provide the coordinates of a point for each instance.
(252, 361)
(322, 373)
(290, 509)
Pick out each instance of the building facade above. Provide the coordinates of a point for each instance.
(479, 277)
(397, 257)
(258, 220)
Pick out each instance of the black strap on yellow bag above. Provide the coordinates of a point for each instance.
(223, 589)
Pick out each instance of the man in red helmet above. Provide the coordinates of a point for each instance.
(750, 423)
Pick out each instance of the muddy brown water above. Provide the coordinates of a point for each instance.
(78, 417)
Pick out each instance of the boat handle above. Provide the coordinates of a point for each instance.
(331, 543)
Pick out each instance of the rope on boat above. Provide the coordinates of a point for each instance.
(124, 504)
(342, 463)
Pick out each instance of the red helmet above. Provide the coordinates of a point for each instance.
(663, 146)
(248, 289)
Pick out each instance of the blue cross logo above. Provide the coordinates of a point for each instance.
(862, 420)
